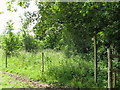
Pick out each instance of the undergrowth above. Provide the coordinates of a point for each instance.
(59, 70)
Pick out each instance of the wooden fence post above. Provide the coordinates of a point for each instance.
(109, 68)
(114, 79)
(42, 63)
(95, 58)
(6, 59)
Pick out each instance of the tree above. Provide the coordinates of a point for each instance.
(29, 42)
(10, 41)
(48, 29)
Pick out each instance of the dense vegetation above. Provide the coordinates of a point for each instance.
(64, 32)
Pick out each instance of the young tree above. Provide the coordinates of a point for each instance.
(9, 41)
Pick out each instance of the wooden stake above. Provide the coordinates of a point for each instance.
(95, 58)
(109, 69)
(114, 79)
(6, 59)
(42, 63)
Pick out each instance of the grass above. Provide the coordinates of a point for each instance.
(59, 70)
(8, 82)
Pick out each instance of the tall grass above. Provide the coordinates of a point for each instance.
(59, 70)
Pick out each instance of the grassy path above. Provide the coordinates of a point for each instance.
(8, 80)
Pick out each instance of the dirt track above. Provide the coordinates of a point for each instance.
(27, 81)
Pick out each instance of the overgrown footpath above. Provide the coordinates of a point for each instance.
(9, 80)
(58, 69)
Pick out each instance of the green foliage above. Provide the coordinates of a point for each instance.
(47, 28)
(78, 22)
(9, 41)
(10, 6)
(72, 71)
(60, 24)
(23, 4)
(69, 27)
(59, 70)
(29, 42)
